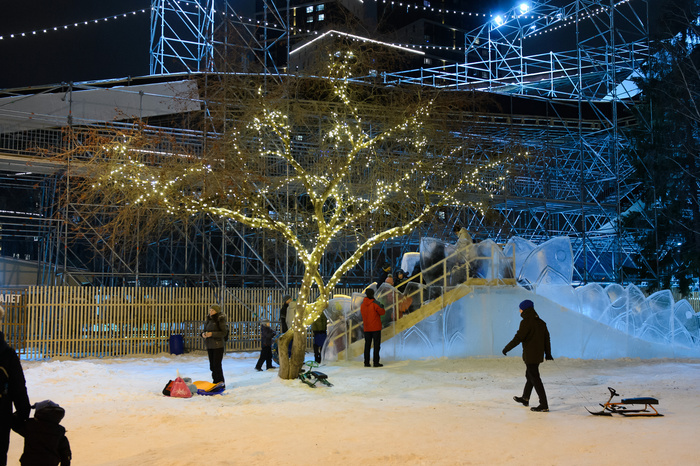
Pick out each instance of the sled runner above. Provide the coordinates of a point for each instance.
(311, 377)
(628, 406)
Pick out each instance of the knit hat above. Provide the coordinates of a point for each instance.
(286, 298)
(216, 307)
(527, 304)
(369, 292)
(47, 410)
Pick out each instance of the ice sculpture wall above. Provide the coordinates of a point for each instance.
(590, 321)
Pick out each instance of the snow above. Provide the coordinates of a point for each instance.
(436, 411)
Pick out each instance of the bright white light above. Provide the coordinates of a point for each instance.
(499, 20)
(524, 7)
(359, 38)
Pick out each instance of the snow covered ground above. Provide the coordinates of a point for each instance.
(441, 411)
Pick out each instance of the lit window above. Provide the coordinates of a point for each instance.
(427, 61)
(321, 17)
(309, 9)
(309, 19)
(320, 7)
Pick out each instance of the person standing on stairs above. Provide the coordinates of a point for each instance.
(534, 336)
(372, 324)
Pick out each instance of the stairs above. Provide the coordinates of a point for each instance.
(409, 320)
(455, 293)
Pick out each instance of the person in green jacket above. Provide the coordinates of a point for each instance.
(214, 334)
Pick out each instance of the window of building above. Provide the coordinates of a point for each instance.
(320, 7)
(321, 17)
(309, 19)
(309, 9)
(427, 61)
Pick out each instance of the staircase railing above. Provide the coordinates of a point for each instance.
(401, 320)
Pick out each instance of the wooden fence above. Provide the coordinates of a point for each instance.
(44, 322)
(114, 321)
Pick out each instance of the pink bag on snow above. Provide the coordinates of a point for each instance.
(179, 389)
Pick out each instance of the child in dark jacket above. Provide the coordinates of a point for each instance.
(45, 441)
(266, 334)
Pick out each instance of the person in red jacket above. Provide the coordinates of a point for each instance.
(372, 323)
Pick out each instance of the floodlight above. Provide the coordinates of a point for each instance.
(499, 20)
(524, 7)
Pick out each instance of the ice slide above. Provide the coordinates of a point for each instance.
(477, 314)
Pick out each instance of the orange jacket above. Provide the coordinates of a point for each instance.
(371, 312)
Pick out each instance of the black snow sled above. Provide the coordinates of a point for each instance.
(628, 406)
(311, 377)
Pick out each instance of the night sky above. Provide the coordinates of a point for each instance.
(110, 49)
(116, 48)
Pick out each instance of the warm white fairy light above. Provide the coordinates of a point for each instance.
(193, 191)
(64, 27)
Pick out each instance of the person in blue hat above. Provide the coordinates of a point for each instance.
(534, 336)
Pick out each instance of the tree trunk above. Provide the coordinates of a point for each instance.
(290, 365)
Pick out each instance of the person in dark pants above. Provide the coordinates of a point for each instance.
(266, 334)
(213, 334)
(319, 328)
(534, 336)
(13, 391)
(372, 324)
(286, 300)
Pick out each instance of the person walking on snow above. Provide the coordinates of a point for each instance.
(372, 324)
(266, 334)
(534, 336)
(213, 334)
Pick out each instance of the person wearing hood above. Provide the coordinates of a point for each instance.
(286, 301)
(214, 332)
(13, 392)
(372, 314)
(534, 336)
(384, 273)
(45, 441)
(266, 335)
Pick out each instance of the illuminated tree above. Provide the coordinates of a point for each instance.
(370, 162)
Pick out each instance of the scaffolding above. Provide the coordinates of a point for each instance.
(569, 107)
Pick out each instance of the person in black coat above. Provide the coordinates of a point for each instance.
(45, 441)
(13, 391)
(214, 334)
(534, 336)
(286, 300)
(384, 273)
(266, 334)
